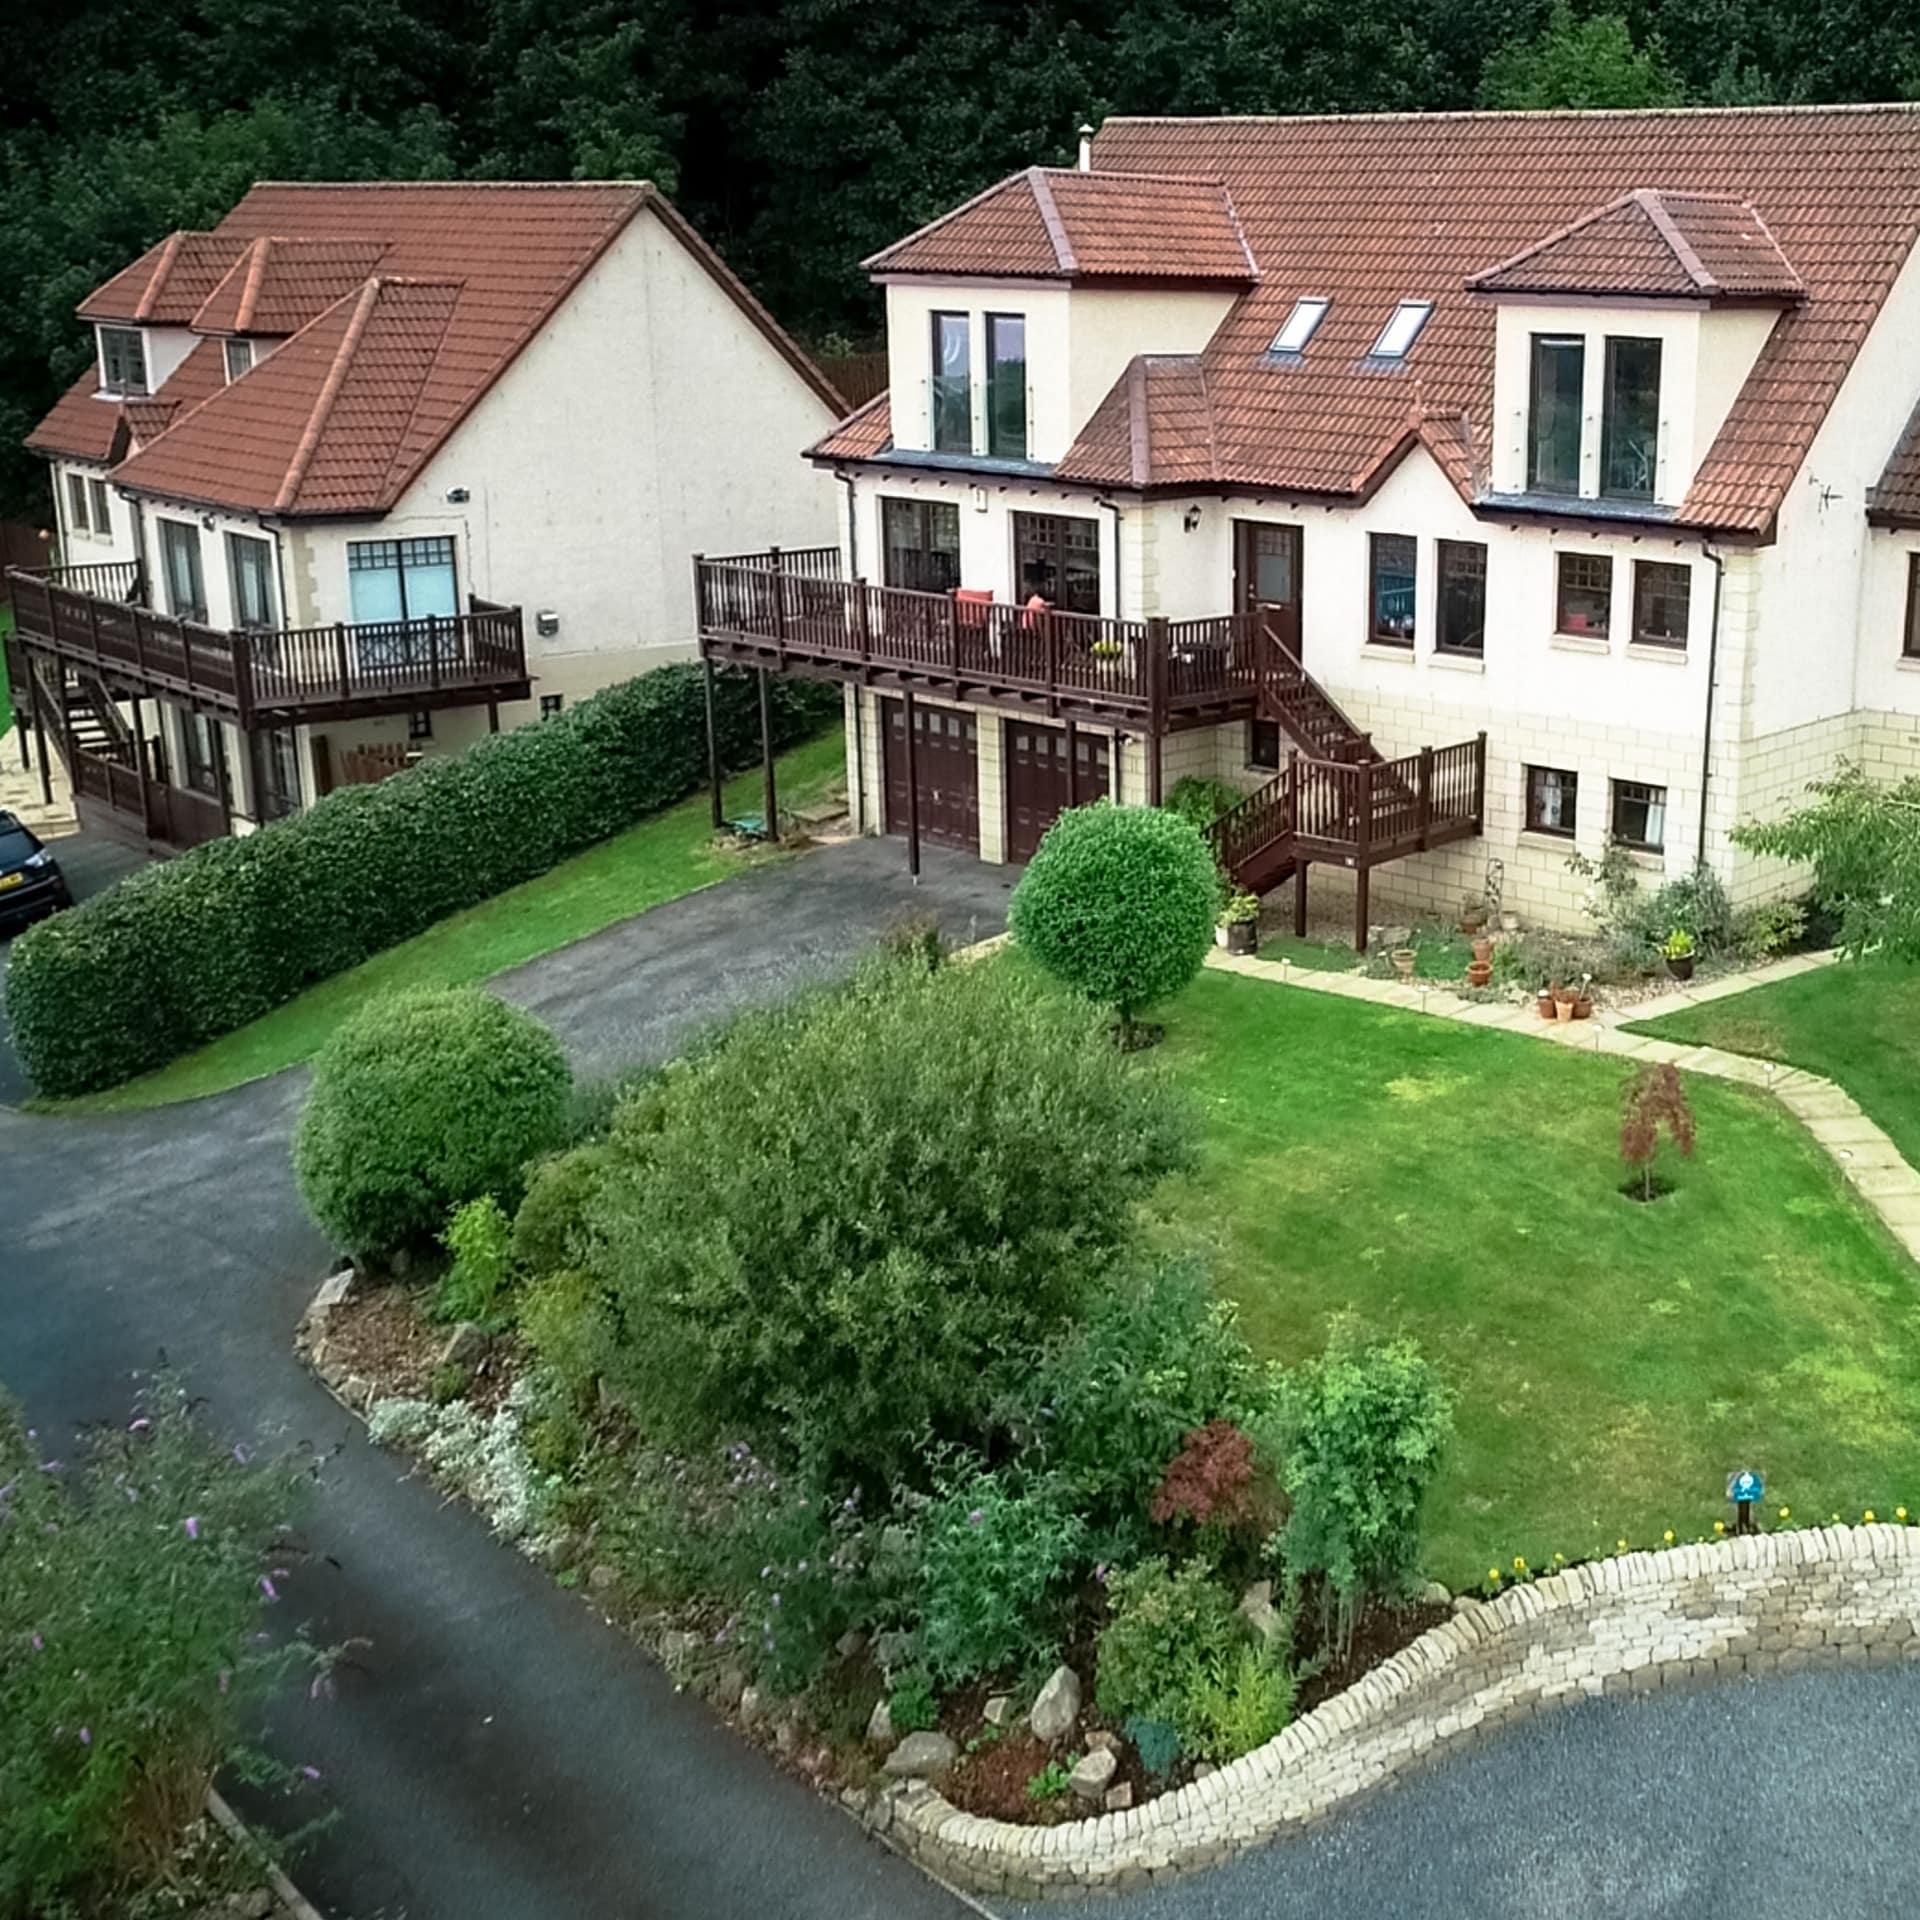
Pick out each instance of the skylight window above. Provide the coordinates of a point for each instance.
(1402, 329)
(1306, 315)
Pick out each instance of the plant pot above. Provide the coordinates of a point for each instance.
(1242, 935)
(1482, 949)
(1479, 973)
(1543, 1003)
(1583, 1008)
(1563, 1010)
(1680, 966)
(1403, 959)
(1509, 923)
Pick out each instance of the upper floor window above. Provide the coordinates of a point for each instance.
(1300, 325)
(77, 519)
(951, 384)
(1554, 413)
(123, 360)
(920, 543)
(1007, 386)
(1910, 644)
(102, 514)
(1583, 596)
(400, 580)
(1630, 419)
(1460, 621)
(239, 358)
(180, 563)
(1662, 603)
(1056, 558)
(1393, 568)
(250, 563)
(1402, 330)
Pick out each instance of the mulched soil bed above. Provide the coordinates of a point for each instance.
(1379, 1635)
(383, 1334)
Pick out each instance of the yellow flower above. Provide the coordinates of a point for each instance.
(1519, 1565)
(1621, 1544)
(1559, 1559)
(1668, 1536)
(1786, 1513)
(1835, 1521)
(1493, 1576)
(1900, 1514)
(1719, 1526)
(1868, 1516)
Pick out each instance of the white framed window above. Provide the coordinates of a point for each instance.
(239, 358)
(1640, 815)
(123, 360)
(250, 572)
(102, 512)
(77, 520)
(1402, 330)
(1299, 326)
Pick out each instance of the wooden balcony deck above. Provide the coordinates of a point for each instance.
(96, 617)
(792, 612)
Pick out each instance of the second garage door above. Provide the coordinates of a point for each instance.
(1037, 786)
(945, 752)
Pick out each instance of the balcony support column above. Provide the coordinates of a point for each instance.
(713, 750)
(1073, 765)
(1300, 900)
(36, 703)
(772, 799)
(913, 789)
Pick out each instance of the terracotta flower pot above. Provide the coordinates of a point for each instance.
(1403, 959)
(1563, 1009)
(1543, 1003)
(1482, 949)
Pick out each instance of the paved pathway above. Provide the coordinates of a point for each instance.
(496, 1752)
(1861, 1150)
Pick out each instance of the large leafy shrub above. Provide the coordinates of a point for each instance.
(1168, 1629)
(421, 1102)
(995, 1561)
(1358, 1433)
(130, 1584)
(1119, 903)
(182, 952)
(830, 1231)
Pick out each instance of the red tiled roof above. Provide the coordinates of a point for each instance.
(863, 433)
(1060, 224)
(342, 417)
(81, 426)
(165, 286)
(1693, 245)
(276, 286)
(1371, 211)
(1894, 500)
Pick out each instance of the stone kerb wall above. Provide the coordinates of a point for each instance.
(1761, 1604)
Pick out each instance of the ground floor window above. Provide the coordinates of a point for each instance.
(920, 543)
(1551, 796)
(1662, 602)
(202, 740)
(1583, 599)
(550, 704)
(1640, 815)
(1057, 556)
(1263, 745)
(1393, 565)
(420, 725)
(276, 773)
(1460, 624)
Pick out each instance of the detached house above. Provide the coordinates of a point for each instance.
(367, 470)
(1466, 488)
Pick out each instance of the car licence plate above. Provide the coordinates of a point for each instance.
(12, 880)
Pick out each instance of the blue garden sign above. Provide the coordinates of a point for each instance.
(1744, 1487)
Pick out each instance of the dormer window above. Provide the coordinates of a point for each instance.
(1007, 386)
(239, 358)
(123, 360)
(951, 384)
(1300, 325)
(1402, 330)
(1559, 372)
(1630, 419)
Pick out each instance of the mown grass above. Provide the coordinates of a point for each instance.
(1857, 1022)
(1614, 1361)
(659, 860)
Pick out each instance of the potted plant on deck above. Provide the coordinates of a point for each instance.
(1679, 949)
(1240, 922)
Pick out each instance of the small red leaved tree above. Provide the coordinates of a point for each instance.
(1214, 1480)
(1655, 1099)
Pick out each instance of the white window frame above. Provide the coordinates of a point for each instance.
(108, 384)
(1301, 324)
(1405, 324)
(241, 349)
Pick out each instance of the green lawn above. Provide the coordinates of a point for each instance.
(658, 860)
(1856, 1022)
(1614, 1361)
(6, 698)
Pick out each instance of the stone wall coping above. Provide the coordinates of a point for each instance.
(1410, 1706)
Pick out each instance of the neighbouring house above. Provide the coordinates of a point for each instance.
(370, 469)
(1468, 488)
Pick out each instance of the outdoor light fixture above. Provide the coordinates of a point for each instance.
(1191, 519)
(458, 496)
(546, 622)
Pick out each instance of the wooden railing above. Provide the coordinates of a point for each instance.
(275, 674)
(123, 580)
(172, 816)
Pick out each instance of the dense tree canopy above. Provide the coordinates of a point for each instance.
(798, 134)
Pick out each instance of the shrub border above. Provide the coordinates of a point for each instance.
(1767, 1603)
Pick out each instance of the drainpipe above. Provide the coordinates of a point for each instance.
(1706, 731)
(857, 783)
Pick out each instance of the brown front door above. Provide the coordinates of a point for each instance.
(944, 753)
(1038, 789)
(1266, 577)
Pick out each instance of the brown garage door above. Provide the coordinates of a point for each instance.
(944, 750)
(1037, 788)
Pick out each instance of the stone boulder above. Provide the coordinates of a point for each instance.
(923, 1756)
(1258, 1611)
(1092, 1776)
(1057, 1708)
(466, 1345)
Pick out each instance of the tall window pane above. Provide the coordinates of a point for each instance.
(921, 540)
(77, 502)
(250, 562)
(180, 561)
(952, 384)
(1662, 603)
(1553, 438)
(1583, 601)
(1390, 599)
(123, 360)
(1007, 386)
(1460, 622)
(1630, 419)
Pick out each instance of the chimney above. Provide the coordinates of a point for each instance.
(1086, 147)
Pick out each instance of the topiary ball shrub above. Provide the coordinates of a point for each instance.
(1119, 904)
(421, 1102)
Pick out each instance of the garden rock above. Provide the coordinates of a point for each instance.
(1119, 1798)
(602, 1579)
(851, 1644)
(335, 1291)
(1257, 1610)
(255, 1904)
(1057, 1708)
(1465, 1602)
(753, 1706)
(1205, 1770)
(1092, 1776)
(923, 1756)
(466, 1345)
(997, 1710)
(880, 1725)
(1103, 1742)
(729, 1688)
(1433, 1594)
(677, 1648)
(357, 1391)
(893, 1648)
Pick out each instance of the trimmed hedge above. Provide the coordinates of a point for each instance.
(182, 952)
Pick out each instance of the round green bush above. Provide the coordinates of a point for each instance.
(1119, 904)
(421, 1102)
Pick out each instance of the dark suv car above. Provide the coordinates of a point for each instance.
(31, 883)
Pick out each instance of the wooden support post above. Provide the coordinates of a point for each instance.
(1480, 781)
(1157, 645)
(37, 703)
(1362, 850)
(493, 716)
(1300, 900)
(222, 773)
(766, 756)
(1423, 798)
(713, 753)
(1073, 766)
(779, 608)
(913, 788)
